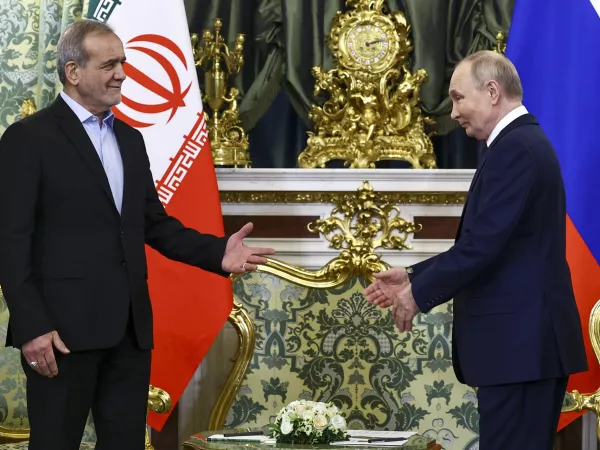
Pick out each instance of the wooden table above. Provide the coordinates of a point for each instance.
(199, 442)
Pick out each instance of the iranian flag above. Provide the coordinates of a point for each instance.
(161, 98)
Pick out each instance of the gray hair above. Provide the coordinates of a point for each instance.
(71, 46)
(487, 65)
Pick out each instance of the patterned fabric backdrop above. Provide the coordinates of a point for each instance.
(332, 345)
(29, 32)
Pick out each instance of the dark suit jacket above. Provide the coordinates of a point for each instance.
(515, 316)
(68, 261)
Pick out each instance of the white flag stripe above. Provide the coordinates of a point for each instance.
(159, 53)
(596, 5)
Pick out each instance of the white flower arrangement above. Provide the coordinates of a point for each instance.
(308, 422)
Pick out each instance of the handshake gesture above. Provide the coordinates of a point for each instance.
(393, 288)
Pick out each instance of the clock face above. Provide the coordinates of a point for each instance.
(370, 44)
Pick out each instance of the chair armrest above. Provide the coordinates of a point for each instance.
(159, 401)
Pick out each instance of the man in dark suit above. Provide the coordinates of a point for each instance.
(79, 206)
(516, 334)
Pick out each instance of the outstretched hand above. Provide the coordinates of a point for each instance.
(393, 288)
(238, 257)
(384, 290)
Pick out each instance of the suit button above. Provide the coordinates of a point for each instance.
(123, 263)
(121, 231)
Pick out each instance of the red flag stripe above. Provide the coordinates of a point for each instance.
(585, 273)
(190, 306)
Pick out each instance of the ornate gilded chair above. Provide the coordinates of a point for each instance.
(312, 335)
(14, 423)
(576, 401)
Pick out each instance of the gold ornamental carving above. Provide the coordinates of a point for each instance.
(228, 140)
(398, 198)
(501, 40)
(159, 401)
(373, 112)
(360, 223)
(27, 108)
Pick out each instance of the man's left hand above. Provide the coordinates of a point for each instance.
(405, 308)
(238, 257)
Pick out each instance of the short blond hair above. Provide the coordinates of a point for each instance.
(487, 65)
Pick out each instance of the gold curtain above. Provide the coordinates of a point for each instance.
(29, 32)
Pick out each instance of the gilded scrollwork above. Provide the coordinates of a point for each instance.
(360, 223)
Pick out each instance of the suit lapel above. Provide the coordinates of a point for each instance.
(482, 162)
(484, 155)
(74, 131)
(521, 120)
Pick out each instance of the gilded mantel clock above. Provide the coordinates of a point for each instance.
(370, 44)
(373, 112)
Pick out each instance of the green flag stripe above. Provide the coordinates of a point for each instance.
(102, 9)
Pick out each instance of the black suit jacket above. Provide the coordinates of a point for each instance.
(515, 316)
(68, 261)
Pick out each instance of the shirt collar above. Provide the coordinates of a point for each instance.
(84, 115)
(506, 120)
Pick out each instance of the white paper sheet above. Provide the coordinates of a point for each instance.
(259, 439)
(380, 434)
(361, 438)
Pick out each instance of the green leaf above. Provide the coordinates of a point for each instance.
(439, 390)
(244, 410)
(466, 416)
(275, 387)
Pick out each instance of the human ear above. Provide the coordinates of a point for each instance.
(72, 72)
(493, 90)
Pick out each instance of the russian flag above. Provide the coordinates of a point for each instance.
(554, 46)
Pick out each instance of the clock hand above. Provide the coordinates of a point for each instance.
(373, 42)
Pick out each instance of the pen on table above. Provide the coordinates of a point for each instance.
(244, 433)
(387, 439)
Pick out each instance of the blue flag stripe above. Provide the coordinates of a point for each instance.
(555, 46)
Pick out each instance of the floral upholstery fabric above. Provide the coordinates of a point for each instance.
(332, 345)
(13, 402)
(29, 32)
(13, 387)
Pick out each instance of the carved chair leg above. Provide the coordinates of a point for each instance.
(149, 445)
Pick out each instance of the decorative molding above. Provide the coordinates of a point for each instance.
(271, 226)
(402, 198)
(344, 180)
(315, 192)
(315, 253)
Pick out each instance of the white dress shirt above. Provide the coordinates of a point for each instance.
(106, 145)
(506, 120)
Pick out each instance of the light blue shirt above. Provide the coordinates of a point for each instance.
(105, 142)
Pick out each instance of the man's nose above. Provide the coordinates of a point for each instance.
(454, 114)
(120, 73)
